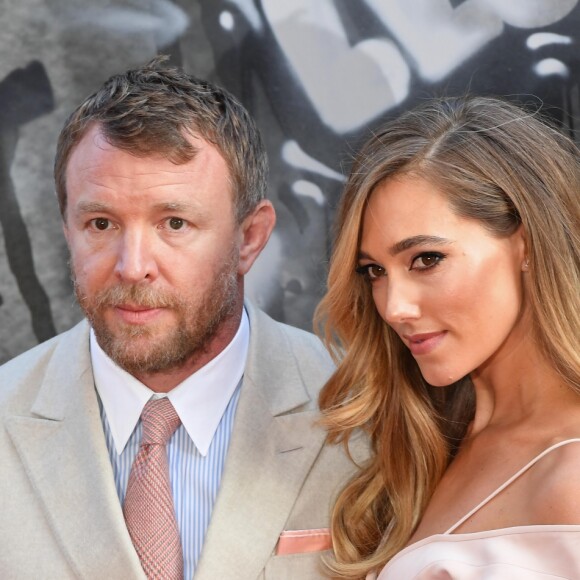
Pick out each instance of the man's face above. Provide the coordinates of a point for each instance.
(154, 251)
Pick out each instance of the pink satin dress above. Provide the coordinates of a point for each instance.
(543, 552)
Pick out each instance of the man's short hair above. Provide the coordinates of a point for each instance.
(150, 110)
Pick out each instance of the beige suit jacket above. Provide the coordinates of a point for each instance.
(60, 515)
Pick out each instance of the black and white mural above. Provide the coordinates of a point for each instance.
(317, 75)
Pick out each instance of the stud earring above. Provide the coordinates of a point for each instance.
(526, 265)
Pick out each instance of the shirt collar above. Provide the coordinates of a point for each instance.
(200, 400)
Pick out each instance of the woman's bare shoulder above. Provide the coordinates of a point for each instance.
(555, 486)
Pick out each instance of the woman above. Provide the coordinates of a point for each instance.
(453, 312)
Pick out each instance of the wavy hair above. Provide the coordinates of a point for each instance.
(499, 164)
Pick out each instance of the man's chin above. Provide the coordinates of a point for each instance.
(136, 348)
(141, 357)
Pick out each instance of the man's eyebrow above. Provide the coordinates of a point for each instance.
(193, 209)
(409, 243)
(177, 206)
(100, 207)
(91, 207)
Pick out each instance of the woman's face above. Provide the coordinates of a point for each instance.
(447, 287)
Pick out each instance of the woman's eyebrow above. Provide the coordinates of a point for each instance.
(413, 241)
(408, 243)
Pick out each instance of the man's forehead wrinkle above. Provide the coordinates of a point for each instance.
(167, 184)
(101, 184)
(95, 168)
(174, 179)
(179, 171)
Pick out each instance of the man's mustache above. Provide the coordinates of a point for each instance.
(137, 295)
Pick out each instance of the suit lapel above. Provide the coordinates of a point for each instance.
(63, 450)
(270, 455)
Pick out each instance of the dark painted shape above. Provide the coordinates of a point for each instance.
(25, 94)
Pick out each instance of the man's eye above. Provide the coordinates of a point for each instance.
(426, 260)
(371, 271)
(176, 223)
(101, 223)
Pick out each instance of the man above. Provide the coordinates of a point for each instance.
(160, 180)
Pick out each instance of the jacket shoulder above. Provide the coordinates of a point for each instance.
(301, 342)
(21, 376)
(307, 346)
(283, 347)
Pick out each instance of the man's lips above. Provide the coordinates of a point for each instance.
(420, 344)
(135, 314)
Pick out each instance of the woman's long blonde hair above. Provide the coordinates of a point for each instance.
(503, 166)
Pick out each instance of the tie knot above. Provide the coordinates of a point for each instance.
(160, 421)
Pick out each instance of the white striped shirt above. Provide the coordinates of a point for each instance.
(206, 402)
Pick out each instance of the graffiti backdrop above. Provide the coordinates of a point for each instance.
(317, 75)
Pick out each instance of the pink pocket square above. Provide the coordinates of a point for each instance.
(303, 541)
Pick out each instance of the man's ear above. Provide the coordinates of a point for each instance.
(65, 230)
(255, 232)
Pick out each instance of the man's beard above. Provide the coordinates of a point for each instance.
(197, 322)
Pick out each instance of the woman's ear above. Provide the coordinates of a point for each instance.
(521, 248)
(255, 232)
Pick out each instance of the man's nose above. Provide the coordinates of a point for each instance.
(135, 258)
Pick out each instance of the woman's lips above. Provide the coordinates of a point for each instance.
(420, 344)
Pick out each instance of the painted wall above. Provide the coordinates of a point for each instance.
(318, 75)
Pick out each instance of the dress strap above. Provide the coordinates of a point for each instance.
(509, 482)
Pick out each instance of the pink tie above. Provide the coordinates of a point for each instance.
(149, 510)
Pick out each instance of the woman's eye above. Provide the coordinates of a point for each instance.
(176, 223)
(371, 271)
(101, 223)
(426, 260)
